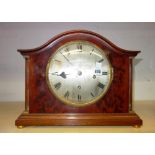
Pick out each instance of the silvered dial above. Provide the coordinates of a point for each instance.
(79, 73)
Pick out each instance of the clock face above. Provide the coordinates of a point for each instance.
(79, 73)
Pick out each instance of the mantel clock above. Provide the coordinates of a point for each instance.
(78, 78)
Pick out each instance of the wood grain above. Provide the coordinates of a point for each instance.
(71, 119)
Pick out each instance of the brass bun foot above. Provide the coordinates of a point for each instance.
(20, 127)
(137, 126)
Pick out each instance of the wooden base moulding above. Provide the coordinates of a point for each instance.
(89, 119)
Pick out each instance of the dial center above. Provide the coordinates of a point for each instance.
(79, 73)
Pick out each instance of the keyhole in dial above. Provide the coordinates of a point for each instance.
(79, 87)
(79, 73)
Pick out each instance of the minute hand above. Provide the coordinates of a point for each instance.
(66, 58)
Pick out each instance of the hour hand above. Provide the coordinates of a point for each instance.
(63, 74)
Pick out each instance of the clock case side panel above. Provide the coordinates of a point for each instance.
(27, 83)
(35, 117)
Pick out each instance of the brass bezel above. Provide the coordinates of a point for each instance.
(71, 103)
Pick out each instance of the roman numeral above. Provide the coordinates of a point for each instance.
(66, 50)
(100, 85)
(91, 51)
(57, 60)
(100, 60)
(92, 94)
(66, 94)
(97, 71)
(79, 47)
(104, 73)
(79, 97)
(57, 85)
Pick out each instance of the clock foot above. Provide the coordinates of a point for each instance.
(137, 126)
(20, 127)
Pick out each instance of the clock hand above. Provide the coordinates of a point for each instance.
(66, 58)
(63, 74)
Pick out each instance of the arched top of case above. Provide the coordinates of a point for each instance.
(105, 41)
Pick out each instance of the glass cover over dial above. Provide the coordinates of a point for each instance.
(79, 73)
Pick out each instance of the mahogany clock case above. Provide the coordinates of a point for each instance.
(43, 108)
